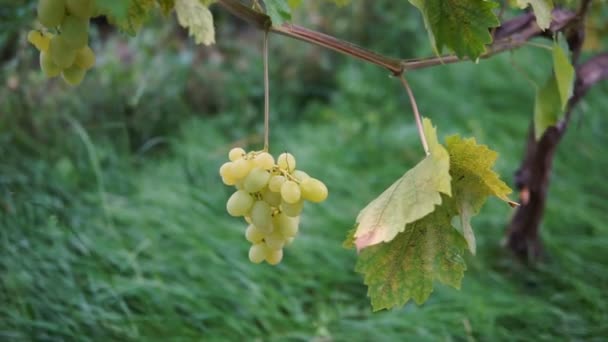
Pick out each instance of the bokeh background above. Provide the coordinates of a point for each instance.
(112, 214)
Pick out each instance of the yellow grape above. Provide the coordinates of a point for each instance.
(287, 162)
(239, 204)
(300, 175)
(236, 154)
(274, 257)
(290, 191)
(81, 8)
(261, 216)
(264, 160)
(75, 31)
(85, 58)
(253, 234)
(258, 252)
(39, 40)
(256, 180)
(73, 75)
(51, 12)
(313, 190)
(272, 198)
(292, 210)
(241, 168)
(275, 240)
(49, 68)
(61, 53)
(275, 183)
(287, 226)
(227, 176)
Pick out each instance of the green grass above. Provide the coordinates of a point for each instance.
(100, 243)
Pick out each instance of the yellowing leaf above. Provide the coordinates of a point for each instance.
(542, 11)
(564, 74)
(461, 25)
(473, 181)
(410, 198)
(429, 249)
(196, 17)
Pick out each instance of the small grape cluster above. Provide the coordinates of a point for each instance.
(270, 197)
(65, 52)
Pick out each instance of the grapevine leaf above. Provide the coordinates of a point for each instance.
(547, 107)
(197, 18)
(278, 10)
(166, 6)
(564, 74)
(410, 198)
(473, 181)
(542, 11)
(129, 16)
(461, 25)
(405, 268)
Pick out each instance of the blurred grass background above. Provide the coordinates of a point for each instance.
(112, 215)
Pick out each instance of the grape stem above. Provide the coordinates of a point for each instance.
(266, 94)
(417, 116)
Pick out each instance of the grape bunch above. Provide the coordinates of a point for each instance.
(270, 196)
(65, 50)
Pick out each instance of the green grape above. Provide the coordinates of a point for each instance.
(239, 204)
(272, 198)
(287, 226)
(61, 53)
(39, 40)
(275, 183)
(290, 191)
(81, 8)
(261, 216)
(300, 175)
(49, 68)
(73, 75)
(51, 12)
(236, 154)
(275, 240)
(313, 190)
(258, 252)
(264, 160)
(241, 168)
(292, 210)
(253, 234)
(256, 180)
(85, 58)
(75, 31)
(274, 257)
(287, 162)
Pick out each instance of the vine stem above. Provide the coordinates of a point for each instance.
(417, 116)
(266, 94)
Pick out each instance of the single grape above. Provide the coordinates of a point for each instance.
(275, 183)
(236, 154)
(261, 216)
(256, 180)
(275, 240)
(290, 191)
(51, 12)
(313, 190)
(264, 160)
(239, 204)
(81, 8)
(253, 234)
(258, 252)
(272, 198)
(75, 31)
(292, 210)
(287, 162)
(226, 174)
(73, 75)
(241, 168)
(300, 175)
(49, 68)
(40, 40)
(274, 257)
(85, 58)
(62, 55)
(286, 225)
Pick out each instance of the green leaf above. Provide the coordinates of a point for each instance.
(429, 249)
(197, 18)
(473, 181)
(547, 107)
(278, 10)
(542, 11)
(564, 74)
(410, 198)
(461, 25)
